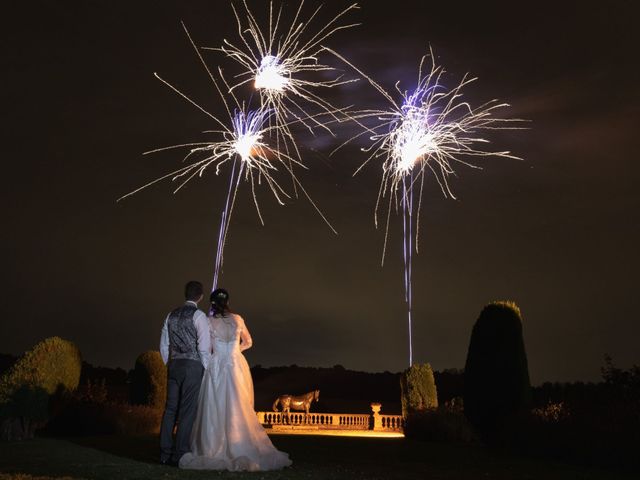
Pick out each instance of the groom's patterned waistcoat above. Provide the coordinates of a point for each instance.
(183, 336)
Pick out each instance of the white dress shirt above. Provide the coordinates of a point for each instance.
(201, 323)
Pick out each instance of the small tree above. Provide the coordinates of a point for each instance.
(418, 389)
(496, 377)
(149, 380)
(52, 366)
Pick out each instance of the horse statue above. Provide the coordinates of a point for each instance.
(300, 402)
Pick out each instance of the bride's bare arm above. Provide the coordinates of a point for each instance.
(245, 337)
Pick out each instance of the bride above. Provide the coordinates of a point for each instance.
(226, 434)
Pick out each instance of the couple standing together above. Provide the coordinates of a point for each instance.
(210, 391)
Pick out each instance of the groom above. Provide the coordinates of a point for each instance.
(185, 348)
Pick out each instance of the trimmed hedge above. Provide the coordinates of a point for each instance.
(51, 367)
(497, 390)
(418, 389)
(149, 380)
(52, 364)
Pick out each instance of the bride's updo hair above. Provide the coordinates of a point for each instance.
(219, 301)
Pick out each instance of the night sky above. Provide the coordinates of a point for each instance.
(557, 232)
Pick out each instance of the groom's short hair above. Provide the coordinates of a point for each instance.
(193, 290)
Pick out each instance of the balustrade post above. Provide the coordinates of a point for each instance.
(377, 419)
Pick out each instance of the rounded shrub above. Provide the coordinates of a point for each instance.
(497, 389)
(418, 389)
(51, 365)
(149, 380)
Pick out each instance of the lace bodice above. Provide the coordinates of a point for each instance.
(229, 329)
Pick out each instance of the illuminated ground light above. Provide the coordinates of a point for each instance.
(333, 433)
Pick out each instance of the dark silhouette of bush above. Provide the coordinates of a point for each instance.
(624, 385)
(116, 381)
(438, 425)
(418, 389)
(26, 411)
(497, 390)
(51, 367)
(95, 392)
(597, 424)
(6, 362)
(82, 416)
(149, 380)
(450, 384)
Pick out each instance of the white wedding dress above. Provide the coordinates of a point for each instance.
(226, 434)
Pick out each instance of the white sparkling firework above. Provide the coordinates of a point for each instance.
(244, 144)
(430, 129)
(243, 141)
(283, 66)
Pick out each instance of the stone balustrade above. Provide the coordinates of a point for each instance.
(391, 423)
(339, 421)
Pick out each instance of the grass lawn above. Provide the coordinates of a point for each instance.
(314, 457)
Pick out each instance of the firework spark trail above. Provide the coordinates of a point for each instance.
(429, 129)
(408, 214)
(222, 234)
(407, 223)
(279, 64)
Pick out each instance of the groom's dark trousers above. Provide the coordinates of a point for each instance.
(183, 388)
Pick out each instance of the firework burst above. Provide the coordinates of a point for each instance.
(429, 129)
(282, 64)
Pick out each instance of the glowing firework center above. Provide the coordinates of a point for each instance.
(411, 140)
(248, 132)
(246, 145)
(271, 75)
